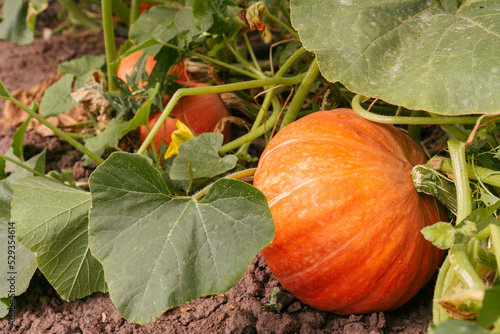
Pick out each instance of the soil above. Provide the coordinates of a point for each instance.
(240, 310)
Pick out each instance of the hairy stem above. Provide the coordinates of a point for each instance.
(109, 41)
(58, 131)
(301, 94)
(214, 89)
(464, 202)
(463, 268)
(356, 106)
(486, 175)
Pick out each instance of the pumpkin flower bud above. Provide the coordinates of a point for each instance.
(179, 136)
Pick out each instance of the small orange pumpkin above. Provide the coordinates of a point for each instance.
(128, 64)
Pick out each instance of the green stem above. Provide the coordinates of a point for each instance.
(252, 55)
(235, 176)
(463, 268)
(464, 202)
(486, 175)
(438, 313)
(486, 258)
(281, 23)
(301, 94)
(135, 9)
(356, 106)
(214, 89)
(258, 130)
(414, 130)
(58, 131)
(495, 239)
(216, 61)
(255, 133)
(20, 164)
(426, 180)
(109, 41)
(80, 16)
(484, 233)
(456, 131)
(241, 59)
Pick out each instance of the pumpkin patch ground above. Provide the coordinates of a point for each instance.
(245, 308)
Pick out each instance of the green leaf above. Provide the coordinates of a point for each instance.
(15, 27)
(490, 311)
(482, 217)
(52, 220)
(452, 326)
(142, 115)
(4, 306)
(181, 187)
(57, 99)
(201, 153)
(166, 23)
(82, 68)
(38, 6)
(213, 14)
(117, 128)
(442, 235)
(108, 138)
(18, 139)
(411, 53)
(160, 251)
(25, 264)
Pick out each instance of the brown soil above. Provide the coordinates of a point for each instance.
(240, 310)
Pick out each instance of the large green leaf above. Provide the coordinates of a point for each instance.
(52, 220)
(23, 264)
(412, 53)
(160, 251)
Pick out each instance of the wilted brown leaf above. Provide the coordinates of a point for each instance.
(14, 116)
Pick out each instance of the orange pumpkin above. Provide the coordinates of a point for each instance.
(347, 216)
(128, 64)
(201, 113)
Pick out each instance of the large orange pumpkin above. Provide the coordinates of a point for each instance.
(347, 216)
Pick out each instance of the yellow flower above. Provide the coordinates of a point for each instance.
(179, 136)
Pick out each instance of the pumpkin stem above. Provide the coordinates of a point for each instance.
(431, 182)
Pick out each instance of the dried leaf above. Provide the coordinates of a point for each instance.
(92, 98)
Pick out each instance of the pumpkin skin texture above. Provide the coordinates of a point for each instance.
(346, 214)
(201, 113)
